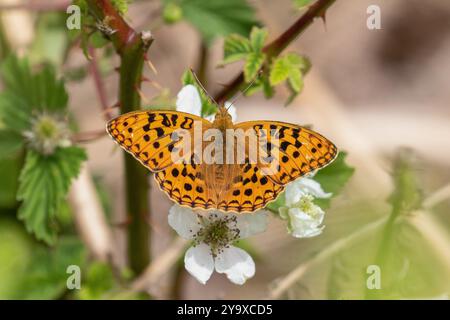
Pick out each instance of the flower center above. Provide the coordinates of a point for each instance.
(217, 233)
(47, 133)
(306, 204)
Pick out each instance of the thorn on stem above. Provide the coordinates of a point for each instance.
(150, 65)
(141, 94)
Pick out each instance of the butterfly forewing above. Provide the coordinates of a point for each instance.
(297, 150)
(147, 135)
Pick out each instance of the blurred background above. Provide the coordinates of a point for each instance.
(372, 92)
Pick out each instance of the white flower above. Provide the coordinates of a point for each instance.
(304, 217)
(47, 133)
(188, 100)
(213, 233)
(304, 186)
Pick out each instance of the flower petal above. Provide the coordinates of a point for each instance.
(250, 224)
(184, 221)
(188, 100)
(313, 188)
(304, 225)
(199, 262)
(301, 187)
(237, 264)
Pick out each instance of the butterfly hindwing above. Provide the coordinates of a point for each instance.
(185, 184)
(250, 191)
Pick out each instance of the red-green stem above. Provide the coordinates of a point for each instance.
(132, 49)
(276, 47)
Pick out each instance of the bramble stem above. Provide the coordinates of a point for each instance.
(132, 48)
(276, 47)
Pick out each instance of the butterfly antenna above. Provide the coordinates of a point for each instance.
(241, 93)
(201, 86)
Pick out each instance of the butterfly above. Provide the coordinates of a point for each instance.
(231, 187)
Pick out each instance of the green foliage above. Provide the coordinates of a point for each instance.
(26, 93)
(237, 47)
(46, 276)
(51, 41)
(208, 106)
(172, 13)
(290, 67)
(16, 250)
(99, 280)
(121, 5)
(217, 18)
(31, 271)
(10, 143)
(9, 173)
(300, 4)
(334, 177)
(408, 264)
(45, 177)
(44, 183)
(407, 196)
(90, 33)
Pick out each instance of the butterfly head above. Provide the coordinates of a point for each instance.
(223, 118)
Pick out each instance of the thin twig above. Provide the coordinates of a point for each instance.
(437, 197)
(89, 136)
(160, 265)
(274, 48)
(99, 85)
(89, 216)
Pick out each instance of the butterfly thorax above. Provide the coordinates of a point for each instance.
(222, 121)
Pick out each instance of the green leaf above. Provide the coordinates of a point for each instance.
(236, 47)
(24, 91)
(44, 183)
(219, 17)
(295, 80)
(15, 112)
(279, 71)
(412, 268)
(257, 38)
(10, 143)
(253, 64)
(334, 177)
(291, 66)
(407, 195)
(279, 202)
(47, 272)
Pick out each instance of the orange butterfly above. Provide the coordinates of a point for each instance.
(233, 187)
